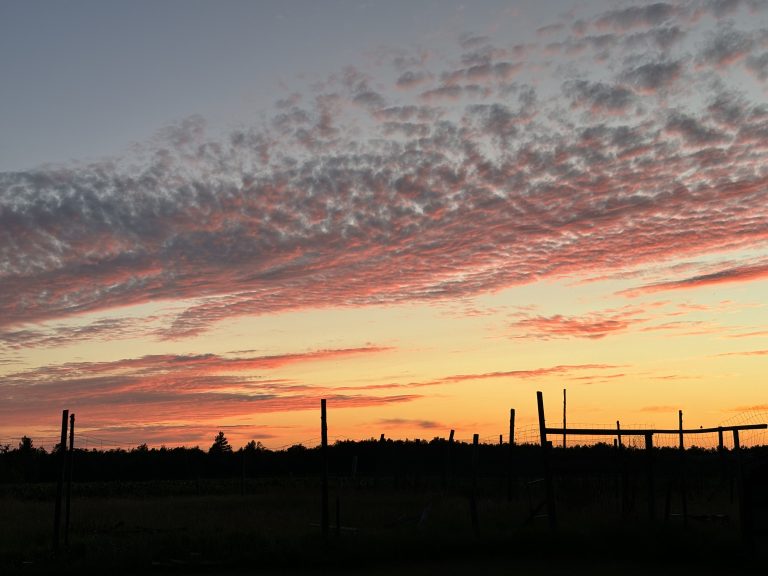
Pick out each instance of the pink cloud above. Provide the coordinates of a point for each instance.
(482, 180)
(746, 273)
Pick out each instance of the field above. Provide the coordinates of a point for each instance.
(389, 525)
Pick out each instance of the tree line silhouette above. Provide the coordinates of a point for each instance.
(416, 463)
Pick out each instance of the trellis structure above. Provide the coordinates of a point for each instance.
(648, 434)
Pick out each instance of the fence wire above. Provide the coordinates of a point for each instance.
(523, 435)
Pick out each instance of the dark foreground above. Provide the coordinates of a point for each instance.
(272, 527)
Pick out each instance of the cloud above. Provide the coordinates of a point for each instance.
(599, 97)
(747, 353)
(62, 335)
(726, 46)
(523, 374)
(653, 76)
(356, 193)
(758, 65)
(594, 326)
(750, 408)
(692, 131)
(746, 273)
(637, 16)
(410, 79)
(174, 387)
(659, 409)
(408, 423)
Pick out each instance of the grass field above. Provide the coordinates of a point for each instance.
(210, 527)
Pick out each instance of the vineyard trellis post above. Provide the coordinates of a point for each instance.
(62, 458)
(683, 487)
(650, 479)
(565, 404)
(448, 461)
(473, 496)
(70, 465)
(743, 508)
(545, 449)
(324, 451)
(510, 453)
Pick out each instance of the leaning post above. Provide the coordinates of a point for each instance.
(545, 449)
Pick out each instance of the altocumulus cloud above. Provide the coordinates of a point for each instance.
(470, 178)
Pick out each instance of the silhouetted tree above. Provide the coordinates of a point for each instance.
(26, 444)
(254, 446)
(220, 444)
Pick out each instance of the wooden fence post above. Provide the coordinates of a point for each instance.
(510, 453)
(623, 474)
(683, 487)
(545, 446)
(744, 518)
(473, 497)
(448, 461)
(324, 452)
(70, 462)
(564, 412)
(651, 489)
(62, 458)
(511, 426)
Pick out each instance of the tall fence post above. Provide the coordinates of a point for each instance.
(744, 511)
(623, 474)
(511, 426)
(510, 453)
(651, 488)
(473, 498)
(324, 451)
(565, 403)
(62, 458)
(448, 461)
(545, 446)
(70, 466)
(683, 487)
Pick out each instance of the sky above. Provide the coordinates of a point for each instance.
(212, 215)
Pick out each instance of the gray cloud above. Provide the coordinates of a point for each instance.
(635, 16)
(599, 97)
(654, 76)
(354, 194)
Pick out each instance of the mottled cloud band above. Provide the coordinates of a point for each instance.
(433, 179)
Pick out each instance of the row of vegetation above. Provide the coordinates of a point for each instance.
(434, 459)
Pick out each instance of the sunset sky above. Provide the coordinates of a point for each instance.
(213, 214)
